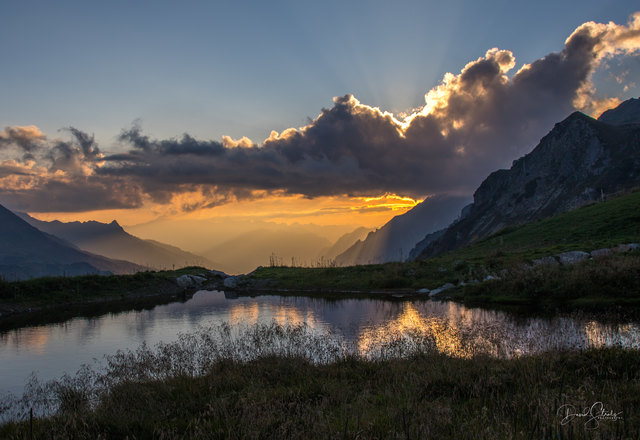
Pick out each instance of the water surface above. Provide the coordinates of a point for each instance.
(368, 325)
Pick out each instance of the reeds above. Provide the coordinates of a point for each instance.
(273, 381)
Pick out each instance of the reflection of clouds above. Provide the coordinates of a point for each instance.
(244, 314)
(31, 339)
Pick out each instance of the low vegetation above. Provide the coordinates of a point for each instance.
(286, 382)
(55, 299)
(505, 254)
(51, 290)
(606, 282)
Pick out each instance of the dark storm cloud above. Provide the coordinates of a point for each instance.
(472, 123)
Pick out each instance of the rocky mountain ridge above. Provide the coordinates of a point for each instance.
(581, 160)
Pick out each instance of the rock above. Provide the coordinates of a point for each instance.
(423, 290)
(441, 289)
(599, 253)
(189, 281)
(490, 278)
(218, 274)
(198, 279)
(572, 257)
(184, 281)
(545, 261)
(626, 247)
(230, 282)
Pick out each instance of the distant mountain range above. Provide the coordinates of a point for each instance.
(26, 252)
(394, 240)
(580, 161)
(262, 247)
(112, 241)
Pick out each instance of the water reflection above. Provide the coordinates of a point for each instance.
(373, 328)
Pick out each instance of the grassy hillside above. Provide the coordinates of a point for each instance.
(588, 228)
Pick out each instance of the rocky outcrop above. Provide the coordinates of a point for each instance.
(190, 281)
(580, 161)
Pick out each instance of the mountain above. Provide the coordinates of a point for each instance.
(580, 161)
(26, 252)
(345, 242)
(625, 113)
(261, 247)
(396, 238)
(112, 241)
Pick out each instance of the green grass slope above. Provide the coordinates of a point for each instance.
(588, 228)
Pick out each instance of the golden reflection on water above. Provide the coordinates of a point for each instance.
(410, 322)
(251, 314)
(32, 339)
(602, 335)
(244, 314)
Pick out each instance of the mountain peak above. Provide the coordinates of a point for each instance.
(579, 161)
(626, 113)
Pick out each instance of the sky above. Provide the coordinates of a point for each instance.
(332, 113)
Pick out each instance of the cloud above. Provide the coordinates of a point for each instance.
(27, 139)
(59, 175)
(609, 40)
(472, 123)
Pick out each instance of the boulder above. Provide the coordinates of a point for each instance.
(198, 279)
(599, 253)
(230, 282)
(572, 257)
(545, 261)
(189, 281)
(626, 247)
(441, 289)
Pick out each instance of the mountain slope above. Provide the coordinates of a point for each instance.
(345, 242)
(625, 113)
(581, 160)
(26, 252)
(112, 241)
(396, 238)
